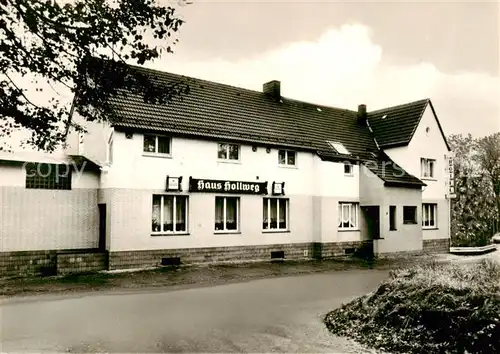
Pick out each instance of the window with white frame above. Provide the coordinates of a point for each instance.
(348, 216)
(229, 152)
(427, 167)
(227, 213)
(156, 144)
(287, 157)
(348, 168)
(429, 215)
(275, 214)
(170, 214)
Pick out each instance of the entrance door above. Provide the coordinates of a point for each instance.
(102, 227)
(372, 217)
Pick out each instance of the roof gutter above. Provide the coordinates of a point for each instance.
(404, 184)
(185, 133)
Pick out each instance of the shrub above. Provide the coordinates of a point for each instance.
(434, 308)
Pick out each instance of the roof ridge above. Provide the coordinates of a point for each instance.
(160, 72)
(319, 105)
(400, 105)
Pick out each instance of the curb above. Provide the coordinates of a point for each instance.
(470, 251)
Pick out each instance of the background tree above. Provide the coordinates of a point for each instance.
(474, 210)
(66, 45)
(488, 157)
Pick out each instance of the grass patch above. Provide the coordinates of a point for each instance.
(433, 308)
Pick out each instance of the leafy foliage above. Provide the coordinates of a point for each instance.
(475, 210)
(427, 309)
(68, 44)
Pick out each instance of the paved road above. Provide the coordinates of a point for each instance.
(269, 315)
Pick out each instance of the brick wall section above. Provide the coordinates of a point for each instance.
(294, 251)
(399, 255)
(437, 245)
(81, 263)
(338, 249)
(152, 258)
(50, 262)
(28, 263)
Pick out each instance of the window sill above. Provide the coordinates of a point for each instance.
(229, 161)
(428, 179)
(293, 167)
(348, 174)
(410, 223)
(271, 231)
(226, 232)
(347, 230)
(152, 154)
(170, 234)
(430, 228)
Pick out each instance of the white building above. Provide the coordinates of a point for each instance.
(229, 174)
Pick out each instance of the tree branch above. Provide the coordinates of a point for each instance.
(53, 24)
(21, 91)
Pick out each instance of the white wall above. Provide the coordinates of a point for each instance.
(427, 145)
(130, 214)
(133, 177)
(198, 158)
(12, 175)
(330, 180)
(42, 219)
(15, 176)
(94, 143)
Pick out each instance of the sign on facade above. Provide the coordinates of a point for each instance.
(449, 170)
(278, 188)
(224, 186)
(174, 183)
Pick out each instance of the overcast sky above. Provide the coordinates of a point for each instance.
(343, 54)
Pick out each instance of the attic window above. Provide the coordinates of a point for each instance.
(338, 147)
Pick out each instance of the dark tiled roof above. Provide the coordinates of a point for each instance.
(391, 173)
(395, 125)
(226, 112)
(221, 111)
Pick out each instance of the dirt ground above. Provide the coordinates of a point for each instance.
(187, 276)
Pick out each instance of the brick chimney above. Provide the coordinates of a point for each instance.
(361, 113)
(272, 89)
